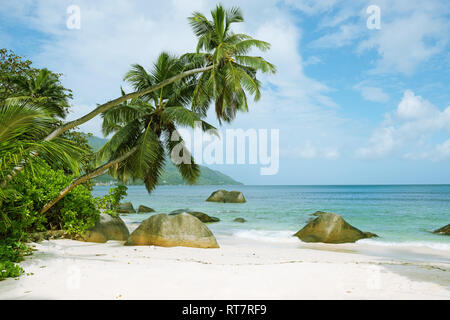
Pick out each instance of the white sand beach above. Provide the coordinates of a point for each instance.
(67, 269)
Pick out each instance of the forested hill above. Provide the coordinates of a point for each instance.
(171, 176)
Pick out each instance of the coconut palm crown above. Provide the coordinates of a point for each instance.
(22, 124)
(45, 89)
(149, 123)
(233, 72)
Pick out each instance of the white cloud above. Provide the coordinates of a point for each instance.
(312, 60)
(346, 34)
(415, 107)
(312, 6)
(438, 153)
(331, 154)
(381, 143)
(406, 41)
(411, 32)
(443, 150)
(309, 151)
(370, 93)
(412, 124)
(115, 34)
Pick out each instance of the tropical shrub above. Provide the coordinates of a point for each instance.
(9, 269)
(11, 252)
(110, 203)
(35, 187)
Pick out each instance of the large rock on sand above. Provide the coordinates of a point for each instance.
(107, 228)
(145, 209)
(226, 196)
(169, 231)
(203, 217)
(126, 207)
(444, 230)
(330, 228)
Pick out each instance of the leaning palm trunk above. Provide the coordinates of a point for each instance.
(95, 173)
(101, 108)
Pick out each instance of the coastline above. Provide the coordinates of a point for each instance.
(69, 269)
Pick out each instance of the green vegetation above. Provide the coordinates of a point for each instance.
(31, 103)
(33, 188)
(110, 202)
(11, 252)
(171, 176)
(233, 72)
(46, 166)
(147, 125)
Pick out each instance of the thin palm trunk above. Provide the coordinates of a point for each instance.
(90, 175)
(102, 108)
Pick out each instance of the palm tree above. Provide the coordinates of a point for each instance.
(227, 73)
(22, 125)
(44, 89)
(37, 96)
(234, 71)
(143, 129)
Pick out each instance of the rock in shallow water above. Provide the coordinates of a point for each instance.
(126, 207)
(173, 230)
(241, 220)
(226, 196)
(203, 217)
(145, 209)
(444, 230)
(107, 228)
(179, 211)
(329, 227)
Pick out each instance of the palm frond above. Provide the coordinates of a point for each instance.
(189, 170)
(245, 46)
(257, 63)
(126, 136)
(120, 115)
(23, 119)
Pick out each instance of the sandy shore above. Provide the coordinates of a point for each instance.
(66, 269)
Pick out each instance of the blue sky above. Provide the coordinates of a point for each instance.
(353, 105)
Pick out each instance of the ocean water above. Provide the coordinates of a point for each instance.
(399, 214)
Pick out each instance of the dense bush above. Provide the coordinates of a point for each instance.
(39, 105)
(33, 188)
(11, 252)
(20, 211)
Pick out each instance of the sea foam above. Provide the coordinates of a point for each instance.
(278, 236)
(408, 244)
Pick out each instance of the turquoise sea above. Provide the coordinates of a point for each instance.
(399, 214)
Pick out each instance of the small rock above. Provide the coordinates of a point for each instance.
(444, 230)
(126, 207)
(226, 196)
(145, 209)
(203, 217)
